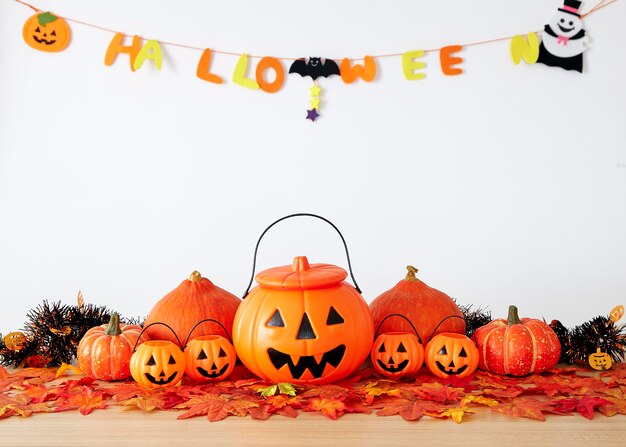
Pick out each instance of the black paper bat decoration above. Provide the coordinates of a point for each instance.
(315, 67)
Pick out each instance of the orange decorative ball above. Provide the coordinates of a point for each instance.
(303, 324)
(424, 306)
(104, 351)
(195, 299)
(46, 32)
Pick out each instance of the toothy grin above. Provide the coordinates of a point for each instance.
(451, 373)
(213, 375)
(393, 368)
(332, 357)
(161, 381)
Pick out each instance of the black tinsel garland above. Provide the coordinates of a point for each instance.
(52, 333)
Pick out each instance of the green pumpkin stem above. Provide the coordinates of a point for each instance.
(513, 317)
(114, 325)
(411, 271)
(46, 17)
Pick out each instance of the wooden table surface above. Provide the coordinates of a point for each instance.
(124, 427)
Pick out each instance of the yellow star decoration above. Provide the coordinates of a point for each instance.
(315, 103)
(315, 90)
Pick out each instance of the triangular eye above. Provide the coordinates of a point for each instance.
(202, 355)
(462, 353)
(37, 30)
(172, 360)
(53, 33)
(401, 348)
(333, 317)
(382, 348)
(151, 362)
(276, 320)
(222, 353)
(443, 351)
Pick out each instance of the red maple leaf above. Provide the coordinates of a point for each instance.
(438, 392)
(124, 391)
(585, 406)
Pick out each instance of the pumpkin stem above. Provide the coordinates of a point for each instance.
(114, 325)
(195, 276)
(411, 271)
(513, 317)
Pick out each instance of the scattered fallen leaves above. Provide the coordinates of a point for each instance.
(566, 391)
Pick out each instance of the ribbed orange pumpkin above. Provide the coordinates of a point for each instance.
(424, 306)
(195, 299)
(104, 351)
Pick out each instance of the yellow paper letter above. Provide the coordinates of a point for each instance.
(151, 50)
(239, 75)
(409, 65)
(520, 49)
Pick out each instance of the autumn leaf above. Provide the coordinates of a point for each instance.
(64, 368)
(585, 406)
(525, 407)
(332, 408)
(437, 392)
(478, 399)
(380, 388)
(85, 401)
(14, 405)
(147, 401)
(3, 373)
(409, 410)
(456, 414)
(615, 406)
(124, 391)
(282, 388)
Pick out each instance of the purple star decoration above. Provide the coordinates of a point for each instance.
(312, 114)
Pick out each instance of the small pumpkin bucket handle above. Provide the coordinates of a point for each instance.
(256, 249)
(402, 316)
(204, 321)
(152, 324)
(447, 318)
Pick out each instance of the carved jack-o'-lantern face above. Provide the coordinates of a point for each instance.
(600, 361)
(209, 358)
(303, 324)
(157, 363)
(449, 354)
(397, 354)
(46, 32)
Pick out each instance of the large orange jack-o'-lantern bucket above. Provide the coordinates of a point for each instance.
(303, 323)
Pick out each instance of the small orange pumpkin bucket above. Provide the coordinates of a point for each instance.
(303, 323)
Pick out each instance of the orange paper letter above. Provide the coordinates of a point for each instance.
(116, 47)
(520, 49)
(448, 61)
(367, 71)
(204, 67)
(409, 65)
(270, 63)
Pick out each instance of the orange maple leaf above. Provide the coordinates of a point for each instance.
(525, 407)
(409, 410)
(379, 388)
(86, 401)
(332, 408)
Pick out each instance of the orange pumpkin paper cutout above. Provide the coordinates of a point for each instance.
(46, 32)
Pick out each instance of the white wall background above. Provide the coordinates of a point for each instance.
(504, 185)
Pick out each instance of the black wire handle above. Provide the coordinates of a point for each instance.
(256, 249)
(449, 316)
(152, 324)
(399, 315)
(204, 321)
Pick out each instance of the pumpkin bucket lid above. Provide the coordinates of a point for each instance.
(301, 275)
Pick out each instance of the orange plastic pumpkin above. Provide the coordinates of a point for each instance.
(195, 299)
(157, 364)
(424, 306)
(517, 346)
(450, 354)
(397, 354)
(303, 324)
(209, 358)
(104, 351)
(46, 32)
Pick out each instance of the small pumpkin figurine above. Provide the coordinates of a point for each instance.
(517, 347)
(104, 351)
(451, 355)
(46, 32)
(209, 358)
(600, 361)
(157, 363)
(397, 354)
